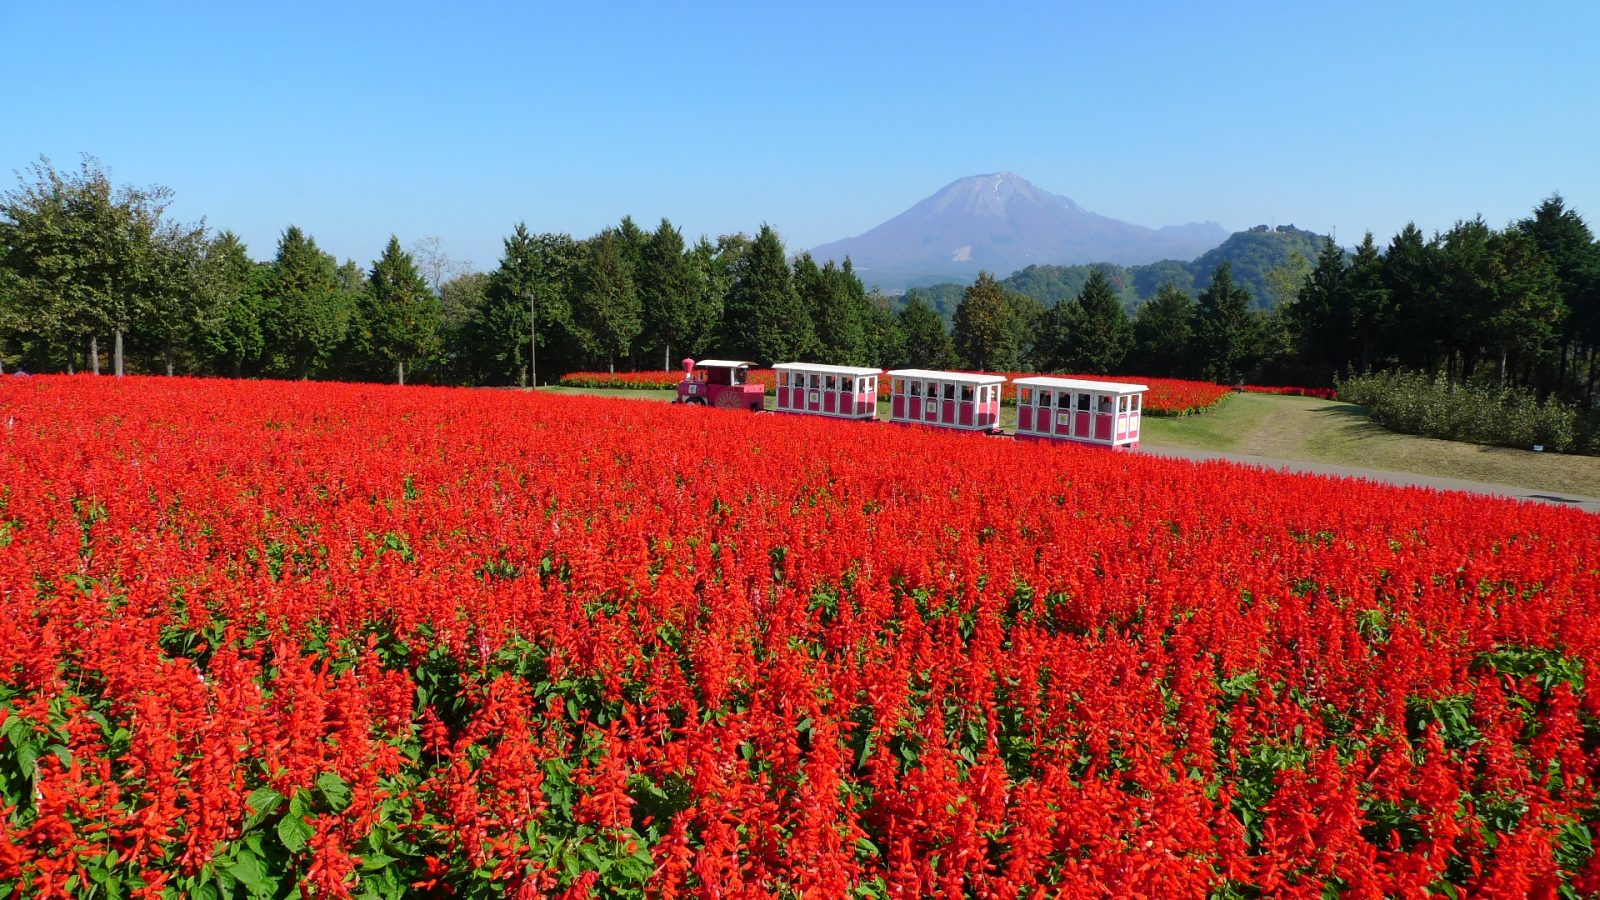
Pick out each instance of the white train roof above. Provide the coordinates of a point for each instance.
(1079, 384)
(959, 377)
(854, 371)
(721, 363)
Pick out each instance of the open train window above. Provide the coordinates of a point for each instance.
(949, 392)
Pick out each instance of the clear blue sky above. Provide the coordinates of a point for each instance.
(358, 120)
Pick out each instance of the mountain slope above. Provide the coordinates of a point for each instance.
(1001, 223)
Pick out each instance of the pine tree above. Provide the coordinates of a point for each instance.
(989, 326)
(1317, 315)
(1057, 338)
(764, 318)
(1228, 335)
(533, 275)
(927, 341)
(606, 312)
(306, 309)
(1367, 306)
(230, 285)
(1098, 342)
(1411, 275)
(837, 304)
(1527, 312)
(398, 312)
(677, 308)
(1163, 333)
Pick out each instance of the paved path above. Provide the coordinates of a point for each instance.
(1587, 504)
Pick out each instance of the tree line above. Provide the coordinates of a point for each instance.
(86, 266)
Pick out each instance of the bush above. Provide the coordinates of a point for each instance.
(1415, 403)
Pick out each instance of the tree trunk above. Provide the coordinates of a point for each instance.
(611, 364)
(666, 359)
(116, 353)
(1500, 370)
(400, 371)
(1588, 393)
(94, 354)
(167, 355)
(238, 367)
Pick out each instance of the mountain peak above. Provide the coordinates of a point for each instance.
(1001, 222)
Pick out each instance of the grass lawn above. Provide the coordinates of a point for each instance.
(1326, 431)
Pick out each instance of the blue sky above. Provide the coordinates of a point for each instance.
(355, 121)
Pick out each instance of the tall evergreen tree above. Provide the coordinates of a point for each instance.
(1163, 332)
(1099, 342)
(1419, 337)
(306, 309)
(605, 310)
(1527, 312)
(885, 339)
(534, 275)
(230, 285)
(399, 316)
(1369, 310)
(1567, 242)
(677, 308)
(1317, 317)
(1467, 283)
(1057, 338)
(927, 341)
(764, 319)
(1228, 335)
(982, 330)
(837, 304)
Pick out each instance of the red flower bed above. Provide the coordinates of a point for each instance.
(1319, 393)
(370, 640)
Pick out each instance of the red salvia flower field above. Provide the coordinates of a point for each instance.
(260, 639)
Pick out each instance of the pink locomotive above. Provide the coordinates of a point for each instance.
(722, 383)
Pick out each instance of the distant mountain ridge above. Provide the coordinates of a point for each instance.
(1001, 223)
(1253, 254)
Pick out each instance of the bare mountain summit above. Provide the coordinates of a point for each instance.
(1000, 223)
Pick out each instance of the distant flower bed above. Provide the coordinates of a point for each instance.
(636, 381)
(1319, 393)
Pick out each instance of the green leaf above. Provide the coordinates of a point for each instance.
(262, 803)
(250, 873)
(294, 832)
(334, 790)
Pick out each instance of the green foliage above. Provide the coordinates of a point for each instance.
(605, 311)
(1052, 285)
(764, 318)
(993, 326)
(305, 308)
(230, 286)
(81, 258)
(1228, 335)
(398, 316)
(1416, 403)
(533, 272)
(1252, 255)
(927, 341)
(1102, 334)
(679, 312)
(1163, 333)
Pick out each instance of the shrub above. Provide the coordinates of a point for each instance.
(1415, 403)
